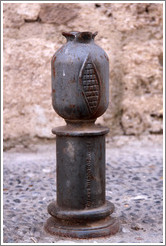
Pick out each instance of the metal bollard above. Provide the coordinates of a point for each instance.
(80, 94)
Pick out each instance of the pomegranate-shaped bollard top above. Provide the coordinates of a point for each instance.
(80, 91)
(80, 78)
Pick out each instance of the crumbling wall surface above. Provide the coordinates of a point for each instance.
(130, 33)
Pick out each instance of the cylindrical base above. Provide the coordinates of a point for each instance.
(81, 209)
(100, 228)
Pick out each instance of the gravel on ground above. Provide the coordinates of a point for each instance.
(134, 183)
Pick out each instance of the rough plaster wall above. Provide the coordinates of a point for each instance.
(130, 33)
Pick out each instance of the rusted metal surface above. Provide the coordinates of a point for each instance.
(80, 79)
(85, 229)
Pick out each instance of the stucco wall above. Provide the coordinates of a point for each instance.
(130, 33)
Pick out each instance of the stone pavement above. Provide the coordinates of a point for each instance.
(134, 182)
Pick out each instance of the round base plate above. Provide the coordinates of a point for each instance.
(101, 228)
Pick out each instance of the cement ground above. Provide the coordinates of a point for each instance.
(134, 183)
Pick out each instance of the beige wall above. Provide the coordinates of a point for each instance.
(130, 33)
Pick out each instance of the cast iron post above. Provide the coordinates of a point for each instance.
(80, 94)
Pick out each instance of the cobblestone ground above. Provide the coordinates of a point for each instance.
(134, 184)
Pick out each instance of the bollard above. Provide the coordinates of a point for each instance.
(80, 94)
